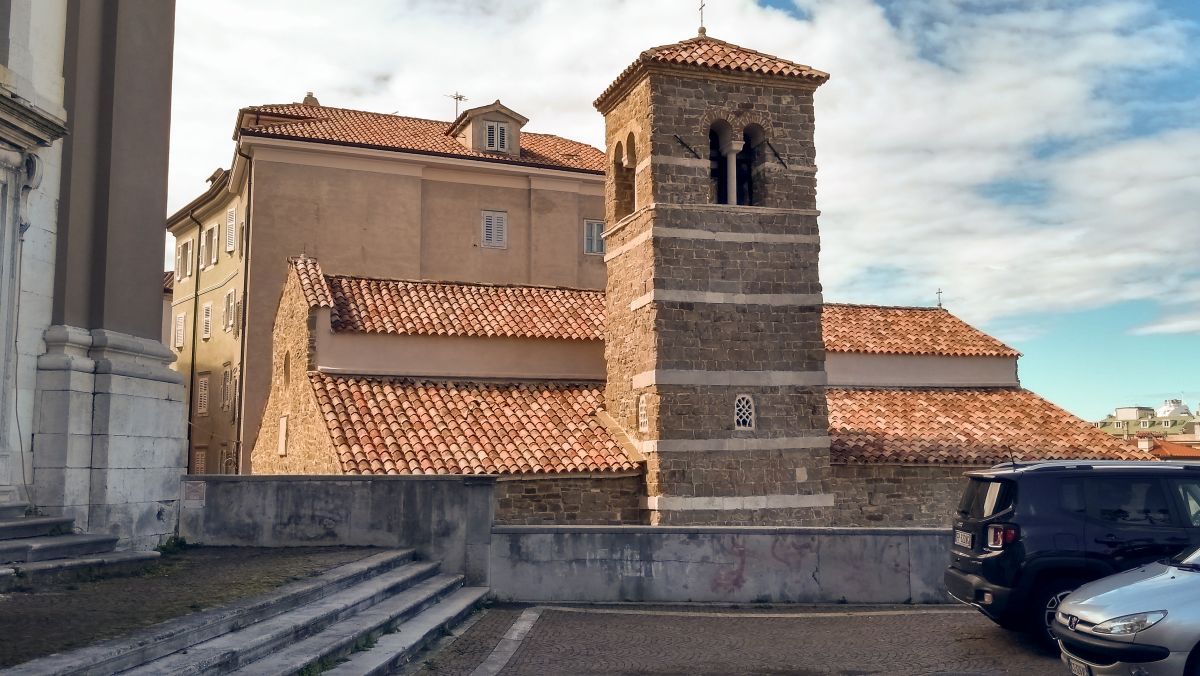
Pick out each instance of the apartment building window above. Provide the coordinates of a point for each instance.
(593, 237)
(200, 460)
(494, 227)
(497, 136)
(183, 260)
(1119, 425)
(180, 328)
(206, 322)
(229, 310)
(226, 388)
(1145, 423)
(743, 412)
(233, 395)
(202, 394)
(230, 230)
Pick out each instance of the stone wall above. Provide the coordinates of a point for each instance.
(445, 518)
(592, 499)
(308, 448)
(598, 564)
(896, 495)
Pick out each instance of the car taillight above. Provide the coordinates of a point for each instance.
(1001, 535)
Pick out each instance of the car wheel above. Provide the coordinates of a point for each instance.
(1043, 604)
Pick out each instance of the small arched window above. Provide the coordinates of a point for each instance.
(720, 136)
(750, 165)
(624, 162)
(743, 412)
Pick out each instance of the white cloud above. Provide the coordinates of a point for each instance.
(927, 107)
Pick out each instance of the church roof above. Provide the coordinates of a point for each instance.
(364, 305)
(344, 126)
(414, 426)
(960, 426)
(703, 51)
(879, 329)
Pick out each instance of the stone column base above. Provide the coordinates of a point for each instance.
(110, 434)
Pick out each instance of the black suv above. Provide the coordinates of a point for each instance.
(1026, 535)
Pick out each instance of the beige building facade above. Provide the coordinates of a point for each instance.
(407, 199)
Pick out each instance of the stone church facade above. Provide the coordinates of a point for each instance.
(709, 383)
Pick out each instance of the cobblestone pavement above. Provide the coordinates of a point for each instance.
(810, 640)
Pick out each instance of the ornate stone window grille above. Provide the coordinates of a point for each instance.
(743, 412)
(642, 414)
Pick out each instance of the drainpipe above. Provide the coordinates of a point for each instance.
(191, 399)
(241, 318)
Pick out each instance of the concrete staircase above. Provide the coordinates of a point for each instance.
(367, 617)
(37, 548)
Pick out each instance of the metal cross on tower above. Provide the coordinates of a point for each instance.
(702, 17)
(939, 295)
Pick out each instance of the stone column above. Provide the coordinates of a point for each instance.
(730, 152)
(110, 441)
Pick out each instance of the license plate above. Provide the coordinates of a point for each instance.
(963, 539)
(1079, 668)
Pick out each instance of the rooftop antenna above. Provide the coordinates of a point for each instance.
(702, 17)
(939, 295)
(458, 98)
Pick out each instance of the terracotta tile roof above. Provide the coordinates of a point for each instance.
(408, 426)
(876, 329)
(453, 309)
(706, 52)
(312, 281)
(343, 126)
(960, 426)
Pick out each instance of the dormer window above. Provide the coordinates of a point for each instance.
(497, 136)
(1145, 424)
(494, 128)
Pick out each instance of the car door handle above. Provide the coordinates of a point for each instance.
(1112, 540)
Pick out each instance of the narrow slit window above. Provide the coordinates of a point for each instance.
(642, 414)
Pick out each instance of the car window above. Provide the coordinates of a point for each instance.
(1070, 494)
(1189, 493)
(983, 498)
(1128, 501)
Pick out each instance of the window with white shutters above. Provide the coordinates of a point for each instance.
(190, 258)
(230, 229)
(183, 260)
(180, 327)
(213, 253)
(202, 394)
(237, 319)
(228, 311)
(226, 389)
(203, 250)
(178, 262)
(200, 460)
(236, 382)
(593, 237)
(496, 136)
(495, 229)
(206, 322)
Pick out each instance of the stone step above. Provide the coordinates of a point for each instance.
(15, 575)
(117, 655)
(13, 510)
(48, 547)
(394, 650)
(223, 654)
(33, 526)
(322, 650)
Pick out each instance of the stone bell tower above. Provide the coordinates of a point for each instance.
(715, 360)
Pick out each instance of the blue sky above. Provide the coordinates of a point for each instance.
(1039, 160)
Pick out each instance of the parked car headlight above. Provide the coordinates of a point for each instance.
(1130, 624)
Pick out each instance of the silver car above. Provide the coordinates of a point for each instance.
(1143, 622)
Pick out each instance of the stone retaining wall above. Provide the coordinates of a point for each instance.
(743, 564)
